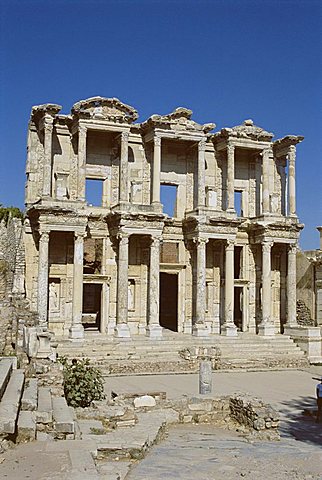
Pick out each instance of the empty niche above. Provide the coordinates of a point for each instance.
(94, 191)
(169, 199)
(93, 249)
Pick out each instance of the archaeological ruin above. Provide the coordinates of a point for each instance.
(222, 260)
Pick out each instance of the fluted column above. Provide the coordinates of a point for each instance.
(291, 181)
(82, 133)
(266, 326)
(229, 328)
(265, 200)
(76, 331)
(291, 287)
(199, 327)
(154, 330)
(201, 173)
(156, 170)
(122, 329)
(43, 278)
(124, 169)
(230, 178)
(47, 167)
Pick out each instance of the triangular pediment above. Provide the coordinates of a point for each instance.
(101, 108)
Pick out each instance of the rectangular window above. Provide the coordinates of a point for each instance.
(94, 191)
(239, 203)
(169, 199)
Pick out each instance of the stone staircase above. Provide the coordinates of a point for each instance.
(141, 355)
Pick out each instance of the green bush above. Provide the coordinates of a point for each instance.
(82, 382)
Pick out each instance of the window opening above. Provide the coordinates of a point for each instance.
(94, 191)
(237, 261)
(169, 199)
(238, 203)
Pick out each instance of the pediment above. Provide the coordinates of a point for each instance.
(100, 108)
(247, 130)
(178, 120)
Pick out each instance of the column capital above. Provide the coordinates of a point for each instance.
(123, 237)
(202, 145)
(292, 248)
(230, 149)
(291, 154)
(124, 136)
(44, 235)
(267, 245)
(200, 241)
(82, 130)
(230, 244)
(155, 240)
(157, 141)
(48, 124)
(79, 235)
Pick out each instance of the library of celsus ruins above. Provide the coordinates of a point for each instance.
(196, 231)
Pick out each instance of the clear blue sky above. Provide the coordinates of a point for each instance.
(227, 60)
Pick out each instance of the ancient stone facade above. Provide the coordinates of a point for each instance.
(223, 261)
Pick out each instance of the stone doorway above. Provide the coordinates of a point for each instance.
(92, 294)
(169, 301)
(238, 307)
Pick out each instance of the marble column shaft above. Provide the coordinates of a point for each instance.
(230, 178)
(156, 170)
(291, 286)
(201, 173)
(229, 284)
(43, 278)
(78, 285)
(201, 281)
(82, 132)
(122, 280)
(266, 282)
(124, 170)
(47, 167)
(291, 180)
(265, 164)
(154, 282)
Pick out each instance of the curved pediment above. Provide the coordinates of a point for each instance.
(101, 108)
(179, 119)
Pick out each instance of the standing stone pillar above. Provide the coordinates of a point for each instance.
(291, 181)
(265, 200)
(48, 140)
(199, 327)
(122, 329)
(76, 331)
(229, 328)
(123, 172)
(201, 173)
(205, 377)
(230, 178)
(154, 330)
(155, 198)
(82, 133)
(266, 327)
(43, 278)
(291, 287)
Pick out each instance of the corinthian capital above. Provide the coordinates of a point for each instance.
(157, 141)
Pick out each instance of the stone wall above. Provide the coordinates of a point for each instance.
(12, 258)
(305, 284)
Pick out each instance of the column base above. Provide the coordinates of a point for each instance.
(76, 332)
(200, 330)
(122, 331)
(229, 330)
(154, 332)
(266, 330)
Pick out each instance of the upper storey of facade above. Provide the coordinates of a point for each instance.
(238, 172)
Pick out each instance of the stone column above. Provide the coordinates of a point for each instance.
(124, 171)
(230, 178)
(122, 329)
(76, 331)
(291, 287)
(266, 327)
(201, 173)
(82, 133)
(229, 328)
(154, 330)
(291, 181)
(265, 200)
(47, 170)
(43, 278)
(155, 197)
(199, 328)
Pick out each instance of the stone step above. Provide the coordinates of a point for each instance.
(63, 418)
(26, 426)
(29, 399)
(10, 402)
(5, 372)
(44, 412)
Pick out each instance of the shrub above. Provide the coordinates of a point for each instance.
(82, 382)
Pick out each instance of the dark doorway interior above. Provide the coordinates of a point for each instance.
(92, 306)
(169, 301)
(238, 307)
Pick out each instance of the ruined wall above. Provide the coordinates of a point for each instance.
(305, 282)
(12, 258)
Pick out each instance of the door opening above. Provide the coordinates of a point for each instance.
(92, 294)
(169, 301)
(238, 307)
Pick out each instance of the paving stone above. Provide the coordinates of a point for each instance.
(10, 402)
(30, 395)
(63, 419)
(5, 371)
(87, 426)
(44, 412)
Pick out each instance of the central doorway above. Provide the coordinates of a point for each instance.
(169, 301)
(91, 318)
